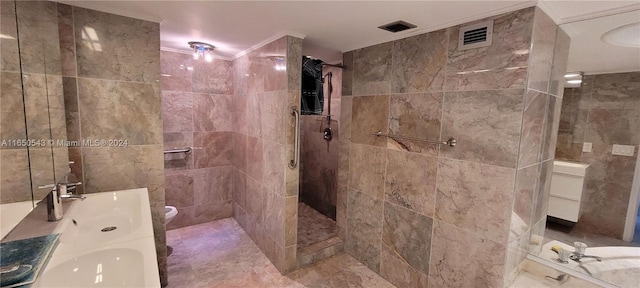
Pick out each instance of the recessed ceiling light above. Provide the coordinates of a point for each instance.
(627, 35)
(577, 81)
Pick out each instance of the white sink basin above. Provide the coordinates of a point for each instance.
(120, 265)
(97, 216)
(93, 254)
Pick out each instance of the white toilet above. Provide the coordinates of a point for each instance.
(170, 212)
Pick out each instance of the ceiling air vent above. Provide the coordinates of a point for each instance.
(397, 26)
(475, 36)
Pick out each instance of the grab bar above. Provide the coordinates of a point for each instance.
(296, 150)
(452, 142)
(185, 150)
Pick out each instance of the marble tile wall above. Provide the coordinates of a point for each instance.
(543, 94)
(25, 98)
(421, 214)
(112, 91)
(605, 110)
(197, 112)
(319, 157)
(265, 190)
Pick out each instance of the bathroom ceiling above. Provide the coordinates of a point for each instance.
(328, 27)
(587, 47)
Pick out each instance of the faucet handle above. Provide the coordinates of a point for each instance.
(580, 247)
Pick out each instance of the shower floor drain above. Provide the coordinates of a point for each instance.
(107, 229)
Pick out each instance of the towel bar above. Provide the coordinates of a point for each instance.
(185, 150)
(452, 142)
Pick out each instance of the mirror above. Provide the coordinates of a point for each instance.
(594, 196)
(32, 128)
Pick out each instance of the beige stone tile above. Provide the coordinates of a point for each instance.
(178, 112)
(370, 114)
(419, 63)
(254, 202)
(185, 217)
(212, 185)
(10, 58)
(239, 151)
(541, 196)
(524, 199)
(113, 163)
(67, 41)
(606, 167)
(212, 77)
(15, 177)
(346, 104)
(463, 259)
(612, 126)
(552, 124)
(72, 114)
(274, 216)
(213, 211)
(616, 91)
(179, 188)
(532, 129)
(476, 119)
(213, 149)
(254, 115)
(560, 59)
(38, 23)
(291, 221)
(407, 235)
(366, 169)
(103, 117)
(418, 116)
(372, 70)
(240, 78)
(399, 272)
(12, 110)
(212, 112)
(36, 99)
(294, 66)
(364, 227)
(467, 190)
(542, 48)
(239, 187)
(343, 162)
(273, 116)
(347, 73)
(604, 209)
(254, 158)
(274, 165)
(276, 54)
(176, 75)
(410, 181)
(110, 46)
(509, 49)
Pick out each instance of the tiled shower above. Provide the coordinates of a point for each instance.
(414, 213)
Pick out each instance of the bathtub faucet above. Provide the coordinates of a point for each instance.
(578, 254)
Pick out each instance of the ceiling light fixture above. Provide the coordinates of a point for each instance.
(202, 50)
(576, 81)
(627, 35)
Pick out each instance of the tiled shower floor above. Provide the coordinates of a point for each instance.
(313, 226)
(220, 254)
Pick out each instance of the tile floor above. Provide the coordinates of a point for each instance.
(220, 254)
(313, 226)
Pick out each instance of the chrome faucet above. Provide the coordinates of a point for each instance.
(578, 254)
(54, 199)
